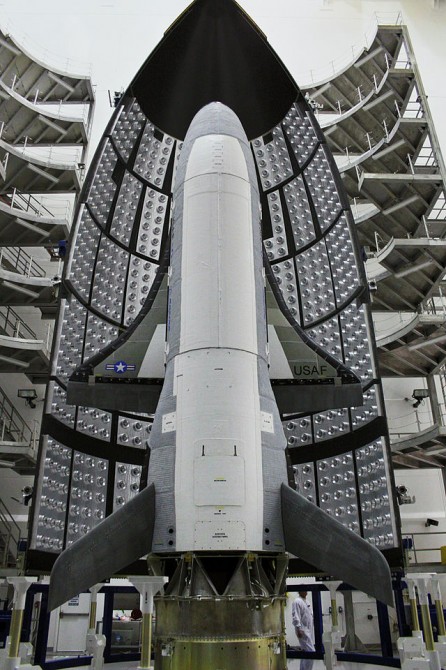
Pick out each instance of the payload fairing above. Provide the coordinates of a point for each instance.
(217, 510)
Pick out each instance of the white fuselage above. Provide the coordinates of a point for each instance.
(218, 467)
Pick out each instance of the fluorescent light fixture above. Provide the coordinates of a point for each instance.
(30, 394)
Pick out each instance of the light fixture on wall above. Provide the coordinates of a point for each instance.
(27, 494)
(419, 395)
(29, 396)
(403, 496)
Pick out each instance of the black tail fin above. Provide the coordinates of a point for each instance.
(315, 537)
(120, 539)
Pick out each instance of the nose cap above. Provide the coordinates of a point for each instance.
(216, 119)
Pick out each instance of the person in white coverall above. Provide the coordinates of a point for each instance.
(303, 625)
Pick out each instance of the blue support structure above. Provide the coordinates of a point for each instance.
(315, 589)
(42, 628)
(27, 617)
(107, 622)
(404, 628)
(384, 630)
(109, 594)
(317, 617)
(5, 623)
(42, 637)
(387, 658)
(41, 643)
(350, 657)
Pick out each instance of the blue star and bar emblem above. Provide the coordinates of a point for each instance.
(120, 366)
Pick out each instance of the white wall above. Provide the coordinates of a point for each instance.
(11, 483)
(427, 485)
(11, 492)
(306, 34)
(403, 418)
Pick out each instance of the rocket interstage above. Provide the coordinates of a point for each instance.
(217, 413)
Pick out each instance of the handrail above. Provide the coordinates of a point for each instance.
(12, 425)
(10, 532)
(435, 305)
(21, 261)
(422, 549)
(63, 110)
(52, 156)
(442, 400)
(413, 422)
(28, 202)
(13, 326)
(43, 206)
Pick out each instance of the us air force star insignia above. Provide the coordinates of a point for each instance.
(120, 367)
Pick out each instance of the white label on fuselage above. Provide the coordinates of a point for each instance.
(169, 423)
(212, 535)
(219, 480)
(267, 424)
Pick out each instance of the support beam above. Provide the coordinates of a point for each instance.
(20, 289)
(14, 361)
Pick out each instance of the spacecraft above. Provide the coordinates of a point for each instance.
(215, 296)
